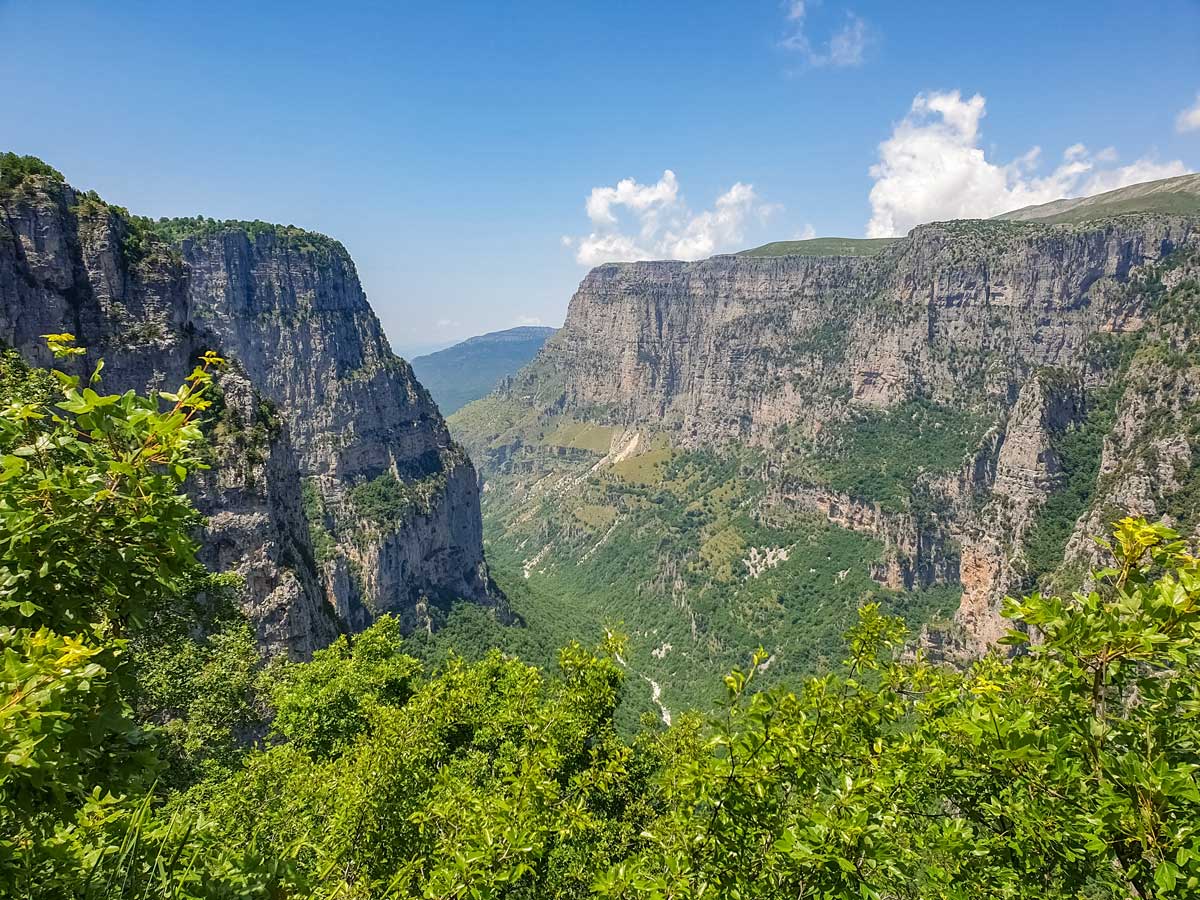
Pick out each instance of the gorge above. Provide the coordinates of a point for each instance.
(817, 466)
(711, 456)
(739, 451)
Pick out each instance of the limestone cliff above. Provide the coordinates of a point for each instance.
(733, 346)
(945, 393)
(337, 491)
(1149, 464)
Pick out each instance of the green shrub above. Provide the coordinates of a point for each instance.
(15, 169)
(389, 502)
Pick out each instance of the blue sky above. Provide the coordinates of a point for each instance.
(453, 147)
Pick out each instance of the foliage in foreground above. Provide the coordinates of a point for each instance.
(94, 539)
(146, 752)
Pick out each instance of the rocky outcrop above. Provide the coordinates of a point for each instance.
(1027, 470)
(732, 347)
(315, 405)
(1027, 466)
(917, 552)
(995, 320)
(255, 524)
(1150, 461)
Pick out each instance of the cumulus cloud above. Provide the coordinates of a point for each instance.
(807, 233)
(528, 320)
(1189, 119)
(846, 46)
(447, 323)
(932, 168)
(652, 221)
(641, 198)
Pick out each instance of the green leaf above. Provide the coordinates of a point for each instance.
(1165, 874)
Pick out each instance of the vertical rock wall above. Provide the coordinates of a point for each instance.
(315, 404)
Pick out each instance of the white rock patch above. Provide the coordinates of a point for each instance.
(531, 564)
(759, 561)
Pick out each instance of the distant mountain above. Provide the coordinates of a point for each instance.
(411, 351)
(1179, 196)
(470, 370)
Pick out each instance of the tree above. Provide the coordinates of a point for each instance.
(1068, 771)
(94, 536)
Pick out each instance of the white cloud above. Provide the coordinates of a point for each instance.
(447, 323)
(932, 168)
(846, 46)
(807, 233)
(638, 221)
(1189, 119)
(528, 320)
(638, 197)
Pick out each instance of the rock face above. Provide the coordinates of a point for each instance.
(733, 346)
(1150, 457)
(337, 491)
(1027, 469)
(1014, 333)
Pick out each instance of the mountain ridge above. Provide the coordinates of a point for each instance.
(1177, 195)
(827, 246)
(470, 369)
(505, 335)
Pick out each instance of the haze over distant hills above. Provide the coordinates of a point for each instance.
(472, 369)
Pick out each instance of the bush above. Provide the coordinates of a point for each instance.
(15, 169)
(94, 542)
(1067, 771)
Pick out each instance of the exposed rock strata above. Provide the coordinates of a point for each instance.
(308, 353)
(1150, 460)
(731, 347)
(991, 317)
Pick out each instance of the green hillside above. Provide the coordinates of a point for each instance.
(1172, 196)
(828, 246)
(598, 527)
(1178, 203)
(469, 370)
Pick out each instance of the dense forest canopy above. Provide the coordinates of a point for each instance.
(149, 752)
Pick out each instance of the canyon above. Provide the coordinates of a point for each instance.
(935, 422)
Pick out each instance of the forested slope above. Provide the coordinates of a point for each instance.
(147, 750)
